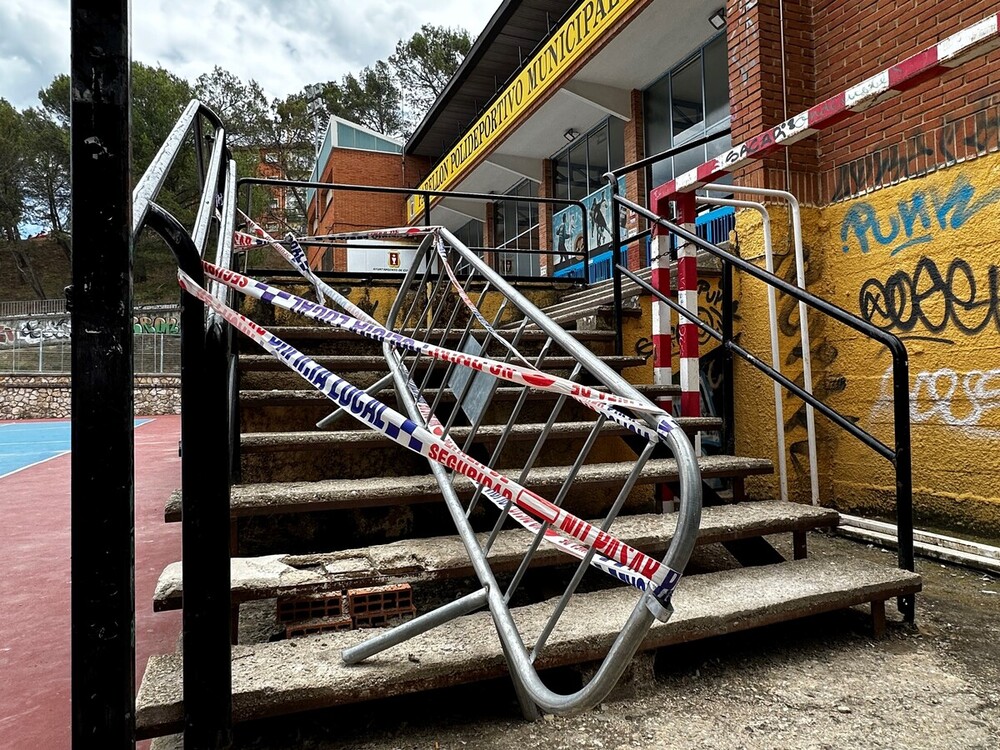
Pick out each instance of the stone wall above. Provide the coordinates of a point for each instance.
(48, 396)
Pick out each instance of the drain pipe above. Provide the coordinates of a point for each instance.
(800, 280)
(772, 309)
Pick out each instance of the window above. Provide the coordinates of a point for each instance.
(689, 102)
(515, 227)
(579, 170)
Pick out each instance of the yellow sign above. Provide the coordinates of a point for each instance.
(587, 24)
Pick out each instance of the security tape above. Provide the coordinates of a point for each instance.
(611, 554)
(532, 378)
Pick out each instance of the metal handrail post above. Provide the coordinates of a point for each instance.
(729, 383)
(904, 472)
(800, 280)
(772, 308)
(616, 274)
(207, 675)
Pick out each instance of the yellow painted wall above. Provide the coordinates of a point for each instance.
(922, 260)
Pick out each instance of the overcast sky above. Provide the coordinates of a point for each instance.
(283, 44)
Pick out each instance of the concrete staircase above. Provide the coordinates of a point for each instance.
(318, 513)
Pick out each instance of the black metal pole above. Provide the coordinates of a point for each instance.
(616, 274)
(100, 299)
(729, 385)
(904, 470)
(204, 510)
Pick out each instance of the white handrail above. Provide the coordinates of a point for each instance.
(800, 281)
(779, 411)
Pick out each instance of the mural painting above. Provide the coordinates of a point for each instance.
(567, 225)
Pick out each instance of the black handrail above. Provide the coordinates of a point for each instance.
(899, 455)
(427, 194)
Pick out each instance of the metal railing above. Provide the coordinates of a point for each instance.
(429, 309)
(899, 455)
(426, 195)
(32, 307)
(208, 364)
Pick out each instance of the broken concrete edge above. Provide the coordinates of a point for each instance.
(268, 576)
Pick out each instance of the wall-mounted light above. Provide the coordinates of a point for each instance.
(571, 135)
(718, 19)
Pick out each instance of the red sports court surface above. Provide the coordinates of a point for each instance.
(35, 584)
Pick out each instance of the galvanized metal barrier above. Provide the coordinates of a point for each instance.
(429, 309)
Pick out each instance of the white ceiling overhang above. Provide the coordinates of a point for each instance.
(662, 36)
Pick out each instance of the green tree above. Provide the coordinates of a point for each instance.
(373, 99)
(425, 63)
(11, 171)
(13, 139)
(243, 107)
(45, 176)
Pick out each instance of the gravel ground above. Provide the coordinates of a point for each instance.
(813, 684)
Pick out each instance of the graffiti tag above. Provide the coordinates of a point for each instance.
(915, 221)
(933, 301)
(950, 398)
(918, 155)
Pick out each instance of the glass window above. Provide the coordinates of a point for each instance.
(598, 157)
(616, 143)
(716, 81)
(687, 110)
(687, 103)
(578, 181)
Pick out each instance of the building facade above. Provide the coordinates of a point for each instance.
(901, 203)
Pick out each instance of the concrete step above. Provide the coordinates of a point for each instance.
(339, 364)
(278, 442)
(345, 494)
(284, 677)
(297, 410)
(311, 456)
(444, 557)
(708, 265)
(259, 371)
(308, 337)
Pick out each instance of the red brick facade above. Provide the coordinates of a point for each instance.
(831, 45)
(356, 211)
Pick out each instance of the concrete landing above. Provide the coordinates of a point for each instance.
(288, 676)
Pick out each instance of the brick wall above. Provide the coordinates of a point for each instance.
(356, 211)
(833, 44)
(856, 39)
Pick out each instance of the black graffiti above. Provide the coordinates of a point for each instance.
(644, 348)
(710, 310)
(920, 154)
(930, 301)
(822, 352)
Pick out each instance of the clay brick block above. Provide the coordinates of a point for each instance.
(319, 625)
(299, 608)
(377, 605)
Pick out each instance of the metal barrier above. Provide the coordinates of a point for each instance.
(431, 311)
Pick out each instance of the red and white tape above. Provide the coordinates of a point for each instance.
(611, 554)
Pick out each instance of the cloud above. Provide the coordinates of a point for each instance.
(282, 44)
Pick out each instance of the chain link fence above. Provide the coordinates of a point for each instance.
(39, 342)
